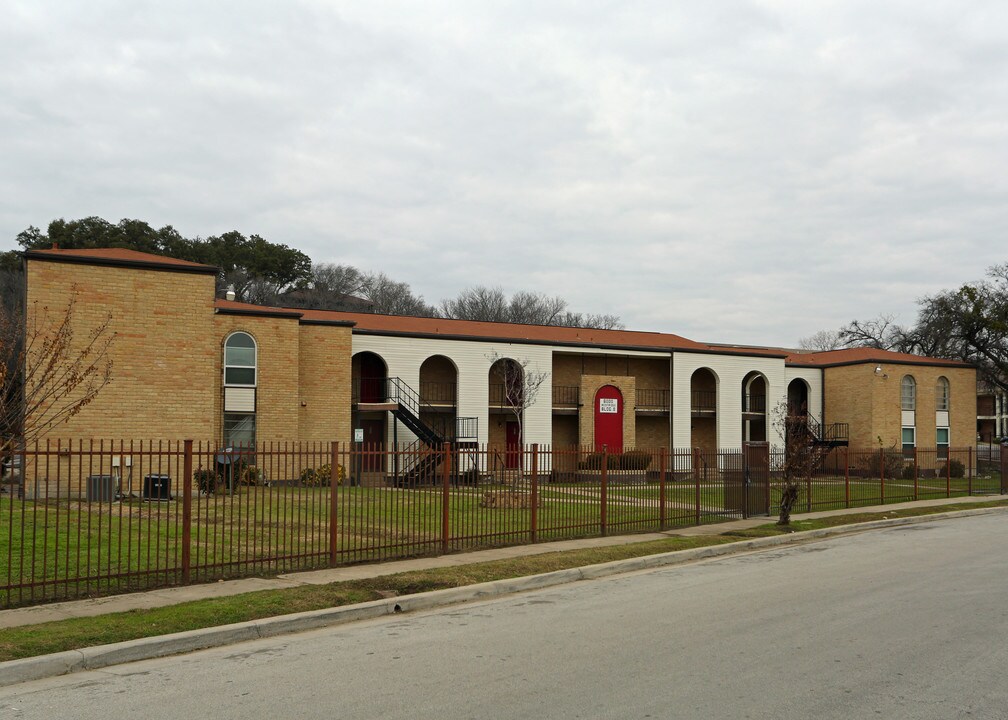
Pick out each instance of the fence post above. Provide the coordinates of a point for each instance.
(881, 470)
(1004, 467)
(603, 496)
(186, 512)
(333, 481)
(445, 494)
(662, 519)
(534, 520)
(948, 472)
(916, 476)
(969, 468)
(696, 482)
(846, 475)
(808, 487)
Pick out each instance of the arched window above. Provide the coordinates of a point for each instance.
(908, 393)
(240, 360)
(942, 394)
(240, 378)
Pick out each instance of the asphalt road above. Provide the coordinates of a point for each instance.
(903, 623)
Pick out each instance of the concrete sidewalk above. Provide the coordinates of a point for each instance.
(172, 596)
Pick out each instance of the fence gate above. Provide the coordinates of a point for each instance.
(756, 478)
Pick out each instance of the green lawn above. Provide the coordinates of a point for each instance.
(73, 633)
(53, 550)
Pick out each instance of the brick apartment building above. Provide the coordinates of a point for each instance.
(190, 365)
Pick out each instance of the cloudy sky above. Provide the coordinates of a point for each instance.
(730, 171)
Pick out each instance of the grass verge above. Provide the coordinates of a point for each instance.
(41, 639)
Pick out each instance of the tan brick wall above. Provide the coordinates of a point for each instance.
(703, 433)
(566, 369)
(652, 432)
(565, 431)
(277, 390)
(163, 355)
(590, 385)
(870, 403)
(324, 379)
(651, 373)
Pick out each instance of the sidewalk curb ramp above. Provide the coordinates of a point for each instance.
(94, 658)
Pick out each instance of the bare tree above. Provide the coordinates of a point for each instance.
(328, 287)
(521, 386)
(883, 333)
(48, 373)
(821, 341)
(532, 308)
(490, 304)
(802, 455)
(394, 298)
(477, 303)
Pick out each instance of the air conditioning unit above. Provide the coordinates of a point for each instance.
(101, 488)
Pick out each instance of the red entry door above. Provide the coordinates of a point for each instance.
(373, 445)
(513, 441)
(609, 419)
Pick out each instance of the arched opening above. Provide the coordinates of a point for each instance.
(439, 395)
(506, 405)
(439, 382)
(754, 407)
(703, 410)
(797, 397)
(609, 419)
(369, 380)
(369, 375)
(796, 428)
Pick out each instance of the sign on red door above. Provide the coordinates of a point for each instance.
(609, 419)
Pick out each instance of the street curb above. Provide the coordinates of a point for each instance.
(94, 658)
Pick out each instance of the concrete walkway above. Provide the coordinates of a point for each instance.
(172, 596)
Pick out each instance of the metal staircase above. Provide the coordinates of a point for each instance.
(421, 458)
(804, 427)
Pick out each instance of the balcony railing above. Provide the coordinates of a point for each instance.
(566, 395)
(438, 393)
(499, 397)
(753, 403)
(652, 399)
(703, 401)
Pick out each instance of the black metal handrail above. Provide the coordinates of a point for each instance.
(652, 399)
(753, 403)
(500, 398)
(443, 393)
(395, 390)
(569, 395)
(703, 400)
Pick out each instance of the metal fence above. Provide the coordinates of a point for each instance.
(85, 519)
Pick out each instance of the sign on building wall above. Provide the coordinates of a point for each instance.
(608, 405)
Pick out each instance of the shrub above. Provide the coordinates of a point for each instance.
(593, 461)
(635, 460)
(891, 461)
(908, 472)
(953, 468)
(250, 475)
(207, 481)
(322, 476)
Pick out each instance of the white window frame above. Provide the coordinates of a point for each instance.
(943, 395)
(254, 366)
(904, 396)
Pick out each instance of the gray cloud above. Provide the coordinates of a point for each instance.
(736, 171)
